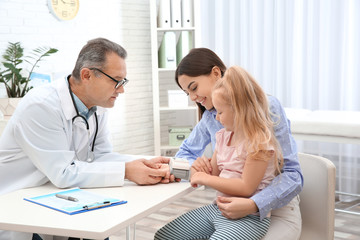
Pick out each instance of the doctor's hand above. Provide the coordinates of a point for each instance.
(161, 163)
(146, 172)
(236, 207)
(157, 162)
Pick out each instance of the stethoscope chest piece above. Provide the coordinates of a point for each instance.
(91, 157)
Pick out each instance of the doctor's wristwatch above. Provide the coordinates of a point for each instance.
(180, 168)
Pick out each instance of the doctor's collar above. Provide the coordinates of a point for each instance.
(83, 110)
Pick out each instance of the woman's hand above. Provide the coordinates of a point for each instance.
(236, 207)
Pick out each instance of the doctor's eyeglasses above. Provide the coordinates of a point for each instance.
(118, 83)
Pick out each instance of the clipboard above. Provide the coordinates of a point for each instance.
(81, 201)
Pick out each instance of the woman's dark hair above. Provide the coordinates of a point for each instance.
(199, 61)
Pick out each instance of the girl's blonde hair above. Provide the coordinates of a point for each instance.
(252, 114)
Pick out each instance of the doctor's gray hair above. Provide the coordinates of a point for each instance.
(93, 54)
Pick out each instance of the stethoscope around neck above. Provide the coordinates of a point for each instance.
(90, 155)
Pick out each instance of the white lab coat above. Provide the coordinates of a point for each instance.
(37, 145)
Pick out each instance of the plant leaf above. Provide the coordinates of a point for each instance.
(17, 85)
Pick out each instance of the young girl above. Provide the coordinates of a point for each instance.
(196, 75)
(246, 159)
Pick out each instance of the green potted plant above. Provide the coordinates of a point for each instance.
(11, 75)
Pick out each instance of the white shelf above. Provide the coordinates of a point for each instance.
(168, 147)
(178, 109)
(166, 69)
(164, 116)
(175, 29)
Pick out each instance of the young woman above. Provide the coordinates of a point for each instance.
(196, 74)
(246, 159)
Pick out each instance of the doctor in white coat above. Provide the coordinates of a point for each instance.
(59, 133)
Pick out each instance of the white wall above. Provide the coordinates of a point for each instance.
(123, 21)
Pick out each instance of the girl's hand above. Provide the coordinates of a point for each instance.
(167, 178)
(202, 164)
(199, 178)
(236, 207)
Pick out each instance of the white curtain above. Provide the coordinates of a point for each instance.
(304, 52)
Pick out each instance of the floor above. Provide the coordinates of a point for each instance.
(346, 225)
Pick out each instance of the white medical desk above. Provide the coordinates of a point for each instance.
(17, 214)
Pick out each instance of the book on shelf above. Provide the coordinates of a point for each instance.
(175, 13)
(187, 13)
(184, 44)
(164, 20)
(167, 51)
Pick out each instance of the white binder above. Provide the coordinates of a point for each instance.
(187, 13)
(175, 6)
(167, 51)
(164, 20)
(184, 45)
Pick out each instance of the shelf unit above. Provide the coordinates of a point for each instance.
(163, 79)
